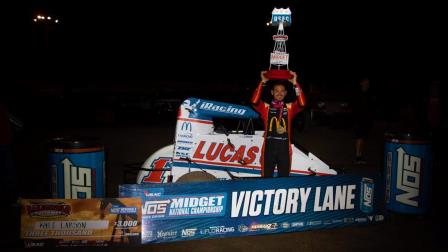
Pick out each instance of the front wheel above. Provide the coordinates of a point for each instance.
(196, 176)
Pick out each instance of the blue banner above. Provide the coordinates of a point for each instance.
(173, 212)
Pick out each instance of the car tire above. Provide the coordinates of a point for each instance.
(196, 176)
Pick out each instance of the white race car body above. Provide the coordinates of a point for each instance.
(198, 147)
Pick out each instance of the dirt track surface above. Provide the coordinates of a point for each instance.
(126, 144)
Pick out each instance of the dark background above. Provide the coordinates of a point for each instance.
(103, 56)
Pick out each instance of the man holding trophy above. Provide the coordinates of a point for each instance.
(276, 114)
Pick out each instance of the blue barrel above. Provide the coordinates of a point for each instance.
(407, 169)
(77, 168)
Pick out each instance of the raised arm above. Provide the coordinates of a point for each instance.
(257, 103)
(300, 102)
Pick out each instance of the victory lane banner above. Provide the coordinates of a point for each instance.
(81, 222)
(173, 212)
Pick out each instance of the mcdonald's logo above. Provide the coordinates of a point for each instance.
(277, 123)
(186, 126)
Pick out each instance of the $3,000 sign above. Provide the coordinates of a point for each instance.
(81, 222)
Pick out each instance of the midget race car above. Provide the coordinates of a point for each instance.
(204, 152)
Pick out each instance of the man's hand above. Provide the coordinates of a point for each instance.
(263, 77)
(293, 80)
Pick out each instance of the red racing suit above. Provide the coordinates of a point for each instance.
(276, 150)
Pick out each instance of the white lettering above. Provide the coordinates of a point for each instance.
(408, 177)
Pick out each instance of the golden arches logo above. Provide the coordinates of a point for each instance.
(277, 123)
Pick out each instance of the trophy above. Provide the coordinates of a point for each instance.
(278, 67)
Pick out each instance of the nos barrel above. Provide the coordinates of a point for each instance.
(77, 168)
(407, 164)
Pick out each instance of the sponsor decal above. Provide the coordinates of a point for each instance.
(188, 232)
(388, 175)
(186, 206)
(147, 235)
(182, 154)
(183, 148)
(366, 195)
(277, 18)
(222, 108)
(186, 126)
(279, 58)
(123, 210)
(379, 217)
(243, 228)
(298, 224)
(223, 152)
(269, 226)
(408, 177)
(314, 223)
(153, 192)
(185, 135)
(166, 234)
(184, 142)
(48, 210)
(78, 181)
(361, 220)
(33, 244)
(190, 107)
(278, 123)
(337, 221)
(217, 230)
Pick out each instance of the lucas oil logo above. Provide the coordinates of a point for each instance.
(186, 206)
(78, 181)
(213, 151)
(408, 177)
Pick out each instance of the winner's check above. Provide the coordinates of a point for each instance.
(87, 222)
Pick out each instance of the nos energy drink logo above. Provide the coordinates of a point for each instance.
(77, 181)
(186, 206)
(408, 177)
(367, 186)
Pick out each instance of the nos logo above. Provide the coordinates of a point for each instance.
(155, 207)
(158, 168)
(408, 177)
(77, 181)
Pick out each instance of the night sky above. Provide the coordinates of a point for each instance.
(224, 41)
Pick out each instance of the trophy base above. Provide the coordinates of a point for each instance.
(278, 74)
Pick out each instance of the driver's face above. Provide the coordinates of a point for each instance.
(278, 92)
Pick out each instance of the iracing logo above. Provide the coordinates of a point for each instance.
(77, 181)
(408, 177)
